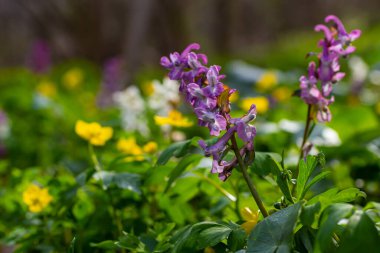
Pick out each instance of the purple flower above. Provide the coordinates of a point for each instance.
(202, 88)
(178, 63)
(211, 119)
(216, 149)
(316, 88)
(200, 97)
(245, 131)
(344, 37)
(215, 87)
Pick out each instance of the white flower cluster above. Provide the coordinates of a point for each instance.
(132, 106)
(164, 96)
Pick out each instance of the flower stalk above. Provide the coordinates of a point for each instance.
(247, 178)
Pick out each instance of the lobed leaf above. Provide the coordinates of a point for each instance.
(275, 232)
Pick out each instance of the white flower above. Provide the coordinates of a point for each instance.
(164, 96)
(132, 107)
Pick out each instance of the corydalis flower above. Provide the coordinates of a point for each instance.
(178, 63)
(316, 87)
(202, 88)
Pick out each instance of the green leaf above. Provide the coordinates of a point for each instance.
(182, 165)
(360, 231)
(329, 224)
(72, 245)
(348, 195)
(315, 180)
(309, 214)
(177, 149)
(305, 237)
(275, 232)
(237, 238)
(163, 230)
(201, 235)
(181, 240)
(123, 180)
(305, 170)
(108, 244)
(262, 163)
(131, 242)
(324, 195)
(282, 180)
(212, 235)
(266, 163)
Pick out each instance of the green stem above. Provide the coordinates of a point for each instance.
(98, 168)
(94, 158)
(306, 134)
(248, 180)
(306, 130)
(97, 165)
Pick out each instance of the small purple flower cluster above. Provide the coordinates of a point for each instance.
(203, 90)
(335, 45)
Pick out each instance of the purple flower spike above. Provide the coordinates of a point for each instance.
(345, 38)
(316, 88)
(179, 63)
(189, 48)
(325, 29)
(203, 90)
(199, 97)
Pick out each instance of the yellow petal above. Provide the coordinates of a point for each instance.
(282, 93)
(82, 129)
(248, 226)
(262, 104)
(161, 120)
(150, 147)
(106, 133)
(267, 81)
(247, 214)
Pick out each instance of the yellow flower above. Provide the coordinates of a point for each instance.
(72, 78)
(282, 94)
(36, 198)
(267, 81)
(93, 132)
(46, 88)
(175, 118)
(150, 147)
(250, 218)
(262, 104)
(128, 146)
